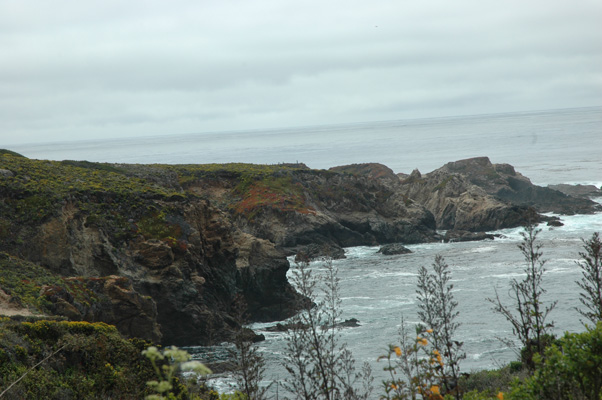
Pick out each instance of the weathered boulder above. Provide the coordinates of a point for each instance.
(393, 249)
(5, 173)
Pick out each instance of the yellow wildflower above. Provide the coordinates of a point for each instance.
(500, 395)
(429, 330)
(423, 342)
(435, 389)
(397, 351)
(393, 386)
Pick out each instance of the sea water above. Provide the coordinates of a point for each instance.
(554, 146)
(549, 147)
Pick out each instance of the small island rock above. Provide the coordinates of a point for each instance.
(393, 249)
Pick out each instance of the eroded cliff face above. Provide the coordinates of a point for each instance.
(193, 280)
(156, 261)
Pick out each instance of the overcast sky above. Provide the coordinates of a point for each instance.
(95, 69)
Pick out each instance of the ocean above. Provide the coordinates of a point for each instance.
(553, 146)
(549, 147)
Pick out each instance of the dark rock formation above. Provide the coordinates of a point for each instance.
(555, 223)
(504, 183)
(348, 323)
(341, 209)
(586, 191)
(466, 236)
(393, 249)
(476, 195)
(315, 251)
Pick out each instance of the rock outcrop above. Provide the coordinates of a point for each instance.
(393, 249)
(586, 191)
(302, 207)
(476, 195)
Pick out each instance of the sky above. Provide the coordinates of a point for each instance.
(76, 70)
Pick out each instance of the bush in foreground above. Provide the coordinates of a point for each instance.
(70, 360)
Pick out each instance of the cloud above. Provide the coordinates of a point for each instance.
(112, 68)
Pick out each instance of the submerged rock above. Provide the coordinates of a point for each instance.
(466, 236)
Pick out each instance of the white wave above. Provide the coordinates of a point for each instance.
(483, 249)
(360, 251)
(506, 276)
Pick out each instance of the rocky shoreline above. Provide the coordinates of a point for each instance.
(165, 252)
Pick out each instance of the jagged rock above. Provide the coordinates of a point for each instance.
(284, 327)
(247, 335)
(458, 204)
(466, 236)
(555, 223)
(476, 195)
(349, 323)
(503, 182)
(393, 249)
(586, 191)
(342, 209)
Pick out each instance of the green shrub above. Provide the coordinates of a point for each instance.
(80, 360)
(571, 369)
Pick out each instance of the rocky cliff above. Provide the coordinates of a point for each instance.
(166, 252)
(183, 262)
(476, 195)
(189, 240)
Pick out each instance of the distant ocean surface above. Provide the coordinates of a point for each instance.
(553, 146)
(556, 146)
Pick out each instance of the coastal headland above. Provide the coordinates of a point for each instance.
(166, 252)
